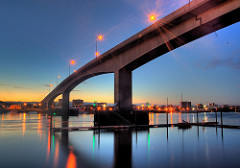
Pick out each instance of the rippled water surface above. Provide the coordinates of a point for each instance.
(26, 141)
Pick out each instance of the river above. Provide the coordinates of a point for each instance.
(26, 141)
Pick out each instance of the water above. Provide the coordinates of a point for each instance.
(26, 141)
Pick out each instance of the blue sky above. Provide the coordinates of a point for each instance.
(38, 38)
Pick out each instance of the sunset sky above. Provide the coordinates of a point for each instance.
(38, 38)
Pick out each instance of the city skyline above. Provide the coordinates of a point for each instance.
(40, 38)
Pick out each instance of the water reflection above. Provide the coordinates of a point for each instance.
(122, 148)
(71, 163)
(154, 147)
(56, 155)
(49, 146)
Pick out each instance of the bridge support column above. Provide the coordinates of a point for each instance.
(123, 89)
(49, 105)
(65, 105)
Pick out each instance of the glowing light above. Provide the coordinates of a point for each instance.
(152, 17)
(180, 117)
(75, 70)
(93, 145)
(97, 54)
(24, 116)
(56, 154)
(100, 37)
(148, 141)
(71, 163)
(51, 85)
(72, 62)
(48, 146)
(59, 76)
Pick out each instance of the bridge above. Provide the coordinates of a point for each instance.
(190, 22)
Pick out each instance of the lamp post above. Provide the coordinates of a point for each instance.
(51, 85)
(99, 38)
(72, 62)
(58, 78)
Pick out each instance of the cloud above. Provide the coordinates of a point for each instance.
(76, 90)
(231, 62)
(4, 84)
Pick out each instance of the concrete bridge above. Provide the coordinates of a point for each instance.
(192, 21)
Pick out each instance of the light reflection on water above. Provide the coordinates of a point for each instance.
(26, 141)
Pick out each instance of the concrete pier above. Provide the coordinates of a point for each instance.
(123, 89)
(65, 108)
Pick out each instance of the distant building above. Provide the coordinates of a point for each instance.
(212, 106)
(199, 107)
(185, 105)
(102, 104)
(15, 107)
(225, 107)
(77, 103)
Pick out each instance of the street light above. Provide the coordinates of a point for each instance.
(72, 62)
(99, 38)
(58, 78)
(51, 85)
(152, 17)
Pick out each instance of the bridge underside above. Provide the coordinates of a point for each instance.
(192, 21)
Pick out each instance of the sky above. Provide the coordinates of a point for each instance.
(38, 38)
